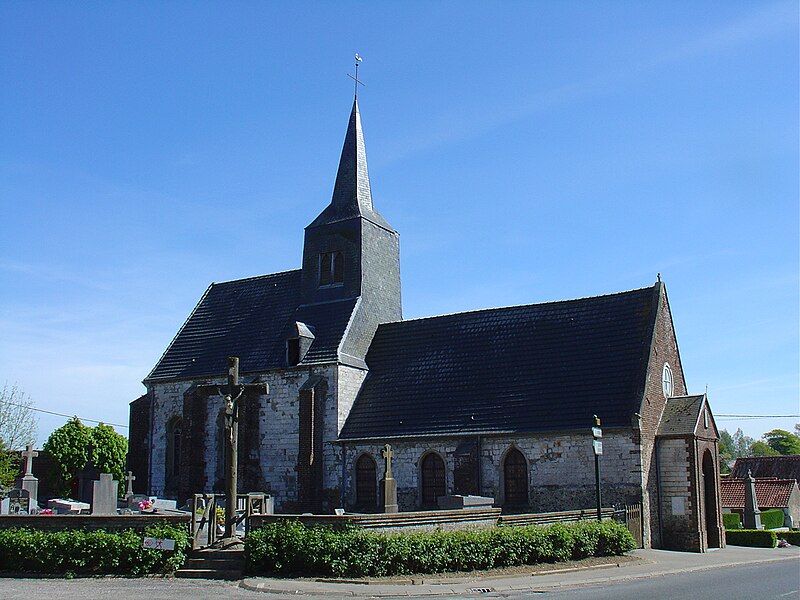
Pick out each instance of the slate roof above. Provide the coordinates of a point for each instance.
(541, 367)
(680, 415)
(780, 467)
(250, 318)
(770, 493)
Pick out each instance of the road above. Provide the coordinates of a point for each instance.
(765, 581)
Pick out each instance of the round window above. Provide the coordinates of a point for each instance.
(666, 381)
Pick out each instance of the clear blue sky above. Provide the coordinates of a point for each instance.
(525, 151)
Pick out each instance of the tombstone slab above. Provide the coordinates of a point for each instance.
(66, 506)
(104, 496)
(457, 502)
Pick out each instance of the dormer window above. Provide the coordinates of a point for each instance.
(293, 351)
(298, 342)
(331, 268)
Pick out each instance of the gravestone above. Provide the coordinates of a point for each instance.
(29, 482)
(18, 501)
(66, 506)
(4, 506)
(388, 483)
(457, 502)
(104, 496)
(86, 479)
(134, 499)
(164, 504)
(129, 479)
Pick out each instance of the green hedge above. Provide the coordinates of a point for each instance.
(290, 548)
(76, 551)
(732, 520)
(758, 538)
(772, 519)
(793, 537)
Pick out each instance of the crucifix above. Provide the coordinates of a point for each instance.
(129, 479)
(29, 453)
(387, 456)
(232, 393)
(356, 79)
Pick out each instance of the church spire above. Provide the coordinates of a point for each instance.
(352, 195)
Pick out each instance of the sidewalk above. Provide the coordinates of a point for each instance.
(653, 563)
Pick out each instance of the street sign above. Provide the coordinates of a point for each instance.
(597, 432)
(158, 544)
(598, 447)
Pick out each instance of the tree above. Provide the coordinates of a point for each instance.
(110, 451)
(759, 448)
(782, 442)
(725, 451)
(69, 448)
(9, 463)
(742, 444)
(18, 422)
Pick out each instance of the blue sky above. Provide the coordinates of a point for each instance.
(525, 151)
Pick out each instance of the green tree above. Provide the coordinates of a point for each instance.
(68, 446)
(742, 444)
(759, 448)
(9, 463)
(109, 452)
(782, 442)
(725, 451)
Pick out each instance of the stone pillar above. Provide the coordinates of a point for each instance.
(29, 482)
(752, 516)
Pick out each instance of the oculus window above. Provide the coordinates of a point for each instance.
(331, 268)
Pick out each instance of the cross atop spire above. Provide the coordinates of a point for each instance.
(356, 79)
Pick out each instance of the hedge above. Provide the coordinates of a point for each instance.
(772, 519)
(793, 537)
(76, 551)
(732, 520)
(290, 548)
(758, 538)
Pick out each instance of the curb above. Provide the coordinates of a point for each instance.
(474, 586)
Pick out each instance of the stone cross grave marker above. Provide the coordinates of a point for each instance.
(752, 516)
(104, 496)
(129, 479)
(29, 482)
(388, 483)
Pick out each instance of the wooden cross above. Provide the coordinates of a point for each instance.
(129, 479)
(356, 79)
(232, 393)
(387, 456)
(29, 453)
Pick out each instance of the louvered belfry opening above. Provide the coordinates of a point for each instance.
(366, 484)
(433, 480)
(515, 472)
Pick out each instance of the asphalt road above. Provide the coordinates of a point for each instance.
(766, 581)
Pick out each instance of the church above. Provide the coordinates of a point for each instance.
(497, 402)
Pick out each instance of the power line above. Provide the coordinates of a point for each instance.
(729, 416)
(50, 412)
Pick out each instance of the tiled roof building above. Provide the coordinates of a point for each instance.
(496, 402)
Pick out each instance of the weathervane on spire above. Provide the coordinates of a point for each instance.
(355, 79)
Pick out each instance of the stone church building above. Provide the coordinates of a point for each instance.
(496, 402)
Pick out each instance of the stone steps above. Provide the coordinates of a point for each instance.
(214, 563)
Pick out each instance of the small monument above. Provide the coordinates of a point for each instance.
(104, 496)
(129, 479)
(752, 516)
(29, 482)
(19, 502)
(388, 483)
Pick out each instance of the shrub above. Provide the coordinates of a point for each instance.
(793, 537)
(732, 520)
(772, 519)
(76, 551)
(758, 538)
(289, 548)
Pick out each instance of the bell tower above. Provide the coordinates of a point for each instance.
(350, 251)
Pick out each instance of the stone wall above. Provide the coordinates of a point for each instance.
(678, 495)
(560, 468)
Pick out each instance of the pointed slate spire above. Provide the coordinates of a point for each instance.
(352, 196)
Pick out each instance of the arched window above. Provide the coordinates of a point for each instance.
(173, 456)
(667, 381)
(433, 480)
(366, 483)
(515, 476)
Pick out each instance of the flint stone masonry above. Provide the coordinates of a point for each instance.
(549, 457)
